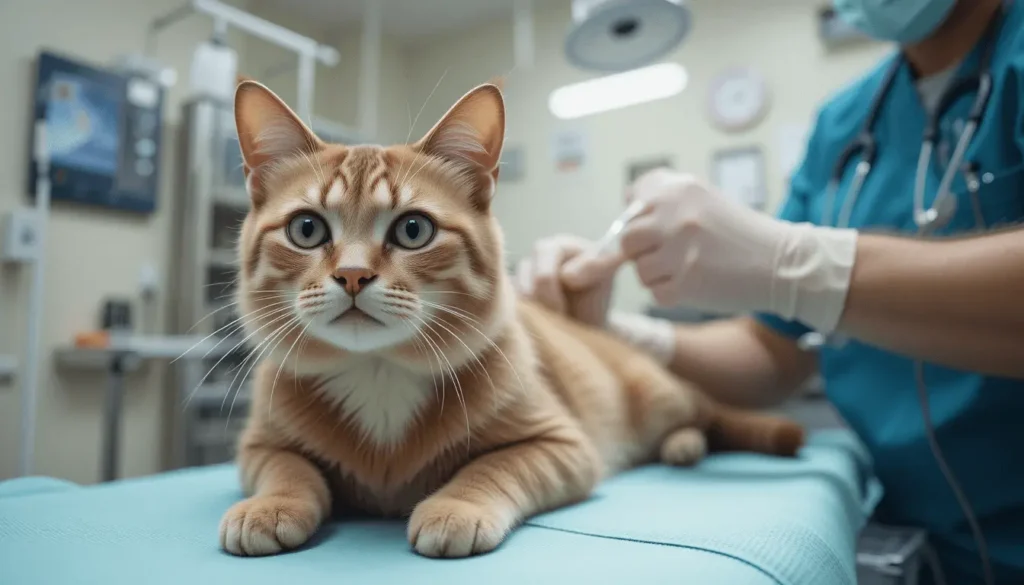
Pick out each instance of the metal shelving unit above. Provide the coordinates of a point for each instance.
(214, 203)
(212, 186)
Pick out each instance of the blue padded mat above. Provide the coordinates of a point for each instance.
(736, 519)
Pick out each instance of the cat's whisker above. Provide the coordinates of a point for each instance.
(256, 295)
(476, 359)
(260, 313)
(440, 369)
(281, 365)
(420, 350)
(423, 165)
(249, 355)
(438, 354)
(447, 292)
(453, 310)
(295, 325)
(265, 345)
(417, 341)
(412, 126)
(490, 341)
(229, 352)
(298, 355)
(408, 117)
(221, 283)
(211, 314)
(319, 175)
(232, 322)
(455, 382)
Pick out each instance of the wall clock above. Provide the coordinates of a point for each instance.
(738, 100)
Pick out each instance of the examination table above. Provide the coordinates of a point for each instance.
(736, 519)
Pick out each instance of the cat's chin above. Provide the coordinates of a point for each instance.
(360, 334)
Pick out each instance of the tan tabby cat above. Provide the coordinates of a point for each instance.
(400, 375)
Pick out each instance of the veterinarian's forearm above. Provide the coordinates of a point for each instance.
(741, 362)
(955, 302)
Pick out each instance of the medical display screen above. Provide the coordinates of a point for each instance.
(83, 121)
(103, 134)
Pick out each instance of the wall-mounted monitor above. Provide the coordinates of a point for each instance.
(103, 134)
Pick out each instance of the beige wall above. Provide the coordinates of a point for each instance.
(337, 89)
(93, 254)
(777, 38)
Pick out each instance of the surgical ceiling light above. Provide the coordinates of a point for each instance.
(618, 90)
(618, 35)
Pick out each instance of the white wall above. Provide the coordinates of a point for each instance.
(777, 38)
(94, 253)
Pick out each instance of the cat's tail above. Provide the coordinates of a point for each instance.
(741, 430)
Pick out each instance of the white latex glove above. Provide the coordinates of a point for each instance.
(587, 296)
(539, 277)
(697, 248)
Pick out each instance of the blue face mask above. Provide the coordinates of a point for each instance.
(902, 21)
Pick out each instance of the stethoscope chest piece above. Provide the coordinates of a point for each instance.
(937, 216)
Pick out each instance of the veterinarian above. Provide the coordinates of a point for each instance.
(895, 268)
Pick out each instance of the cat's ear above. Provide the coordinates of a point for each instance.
(268, 130)
(472, 132)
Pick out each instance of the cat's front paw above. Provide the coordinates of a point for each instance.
(266, 525)
(447, 527)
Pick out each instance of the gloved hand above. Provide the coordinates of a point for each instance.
(587, 296)
(698, 248)
(539, 277)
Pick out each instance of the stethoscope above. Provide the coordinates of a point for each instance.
(927, 218)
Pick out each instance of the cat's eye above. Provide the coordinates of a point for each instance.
(412, 231)
(308, 230)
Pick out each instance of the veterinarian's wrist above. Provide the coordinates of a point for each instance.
(656, 337)
(813, 268)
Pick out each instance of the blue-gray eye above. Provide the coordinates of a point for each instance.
(412, 231)
(307, 230)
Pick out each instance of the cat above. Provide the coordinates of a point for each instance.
(399, 375)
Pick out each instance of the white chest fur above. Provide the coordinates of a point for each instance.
(382, 397)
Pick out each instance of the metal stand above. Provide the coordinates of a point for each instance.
(112, 432)
(125, 355)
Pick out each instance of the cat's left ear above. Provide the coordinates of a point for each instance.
(472, 132)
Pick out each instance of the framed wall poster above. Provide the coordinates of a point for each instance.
(638, 168)
(513, 164)
(569, 149)
(739, 173)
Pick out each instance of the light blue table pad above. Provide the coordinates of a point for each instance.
(736, 519)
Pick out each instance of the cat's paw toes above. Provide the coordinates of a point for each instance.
(446, 527)
(684, 447)
(267, 525)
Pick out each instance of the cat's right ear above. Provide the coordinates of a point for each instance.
(268, 131)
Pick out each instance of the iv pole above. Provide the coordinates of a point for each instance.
(30, 382)
(309, 50)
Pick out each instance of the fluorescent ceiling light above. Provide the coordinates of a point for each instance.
(620, 90)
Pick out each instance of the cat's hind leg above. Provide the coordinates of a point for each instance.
(684, 447)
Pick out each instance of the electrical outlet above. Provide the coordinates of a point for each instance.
(8, 366)
(149, 281)
(22, 236)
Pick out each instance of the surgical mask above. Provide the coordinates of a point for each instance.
(902, 21)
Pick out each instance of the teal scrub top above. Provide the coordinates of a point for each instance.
(979, 419)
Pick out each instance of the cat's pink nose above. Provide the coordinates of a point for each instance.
(354, 279)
